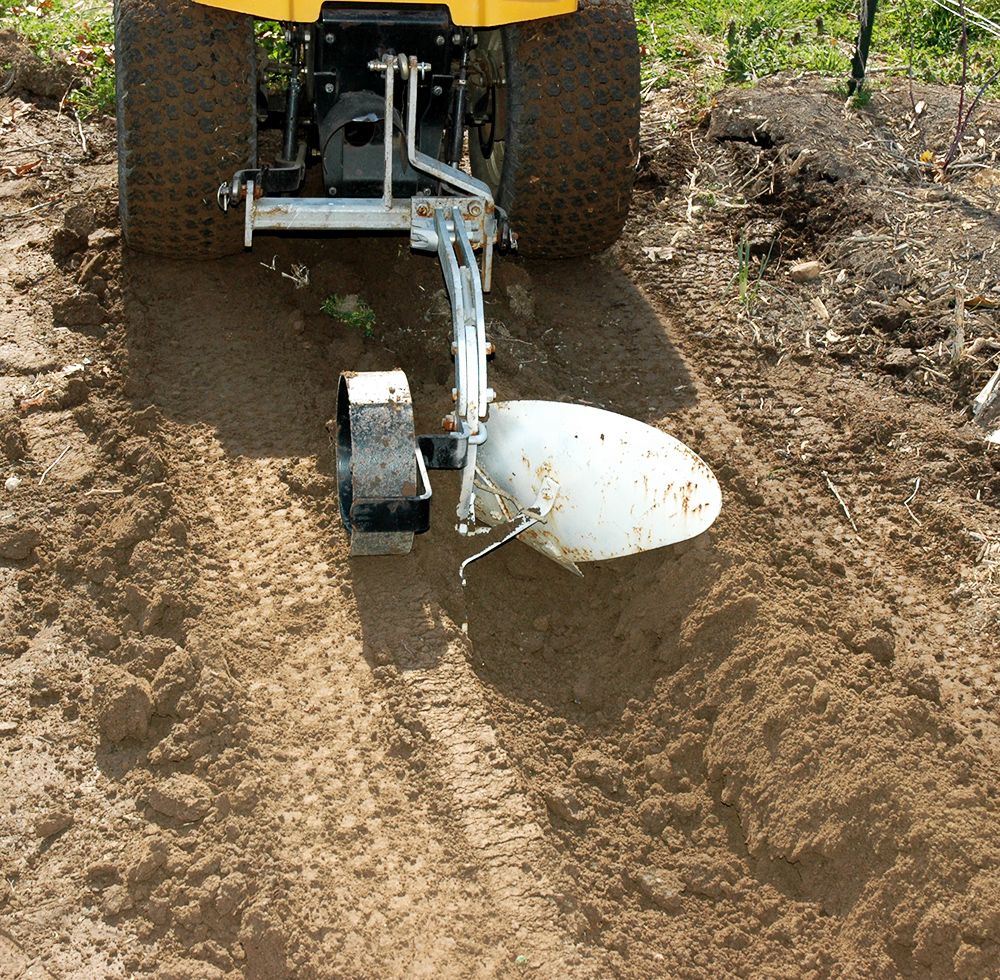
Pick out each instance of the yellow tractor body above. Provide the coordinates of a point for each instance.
(464, 13)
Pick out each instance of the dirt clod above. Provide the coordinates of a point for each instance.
(78, 311)
(186, 799)
(663, 889)
(595, 768)
(123, 703)
(566, 805)
(17, 540)
(53, 822)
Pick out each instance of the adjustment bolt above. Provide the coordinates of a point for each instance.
(456, 39)
(490, 395)
(449, 424)
(454, 394)
(454, 348)
(491, 348)
(437, 90)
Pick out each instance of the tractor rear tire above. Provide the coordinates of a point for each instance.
(186, 105)
(569, 91)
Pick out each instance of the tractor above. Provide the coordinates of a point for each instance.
(474, 127)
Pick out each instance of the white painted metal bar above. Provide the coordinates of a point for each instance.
(427, 164)
(323, 214)
(388, 131)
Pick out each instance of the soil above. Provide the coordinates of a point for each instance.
(228, 750)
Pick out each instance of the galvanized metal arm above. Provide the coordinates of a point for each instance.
(452, 224)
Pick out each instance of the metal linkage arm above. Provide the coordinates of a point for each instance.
(471, 393)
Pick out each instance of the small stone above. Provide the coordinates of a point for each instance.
(185, 798)
(13, 445)
(438, 307)
(8, 727)
(52, 823)
(659, 769)
(65, 242)
(805, 271)
(177, 674)
(12, 483)
(123, 703)
(923, 685)
(148, 857)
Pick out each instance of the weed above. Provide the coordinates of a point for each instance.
(747, 284)
(860, 99)
(715, 41)
(352, 310)
(78, 32)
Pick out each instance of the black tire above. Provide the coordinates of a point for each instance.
(571, 137)
(186, 105)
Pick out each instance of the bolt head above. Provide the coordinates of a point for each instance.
(328, 88)
(330, 37)
(439, 40)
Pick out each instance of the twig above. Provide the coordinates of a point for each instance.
(909, 500)
(79, 129)
(53, 464)
(37, 207)
(840, 500)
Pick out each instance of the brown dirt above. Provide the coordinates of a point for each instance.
(771, 751)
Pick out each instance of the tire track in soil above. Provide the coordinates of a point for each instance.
(372, 759)
(704, 672)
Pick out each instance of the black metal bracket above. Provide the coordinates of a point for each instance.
(444, 452)
(411, 513)
(284, 178)
(393, 514)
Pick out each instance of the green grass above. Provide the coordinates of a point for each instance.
(353, 311)
(726, 41)
(709, 42)
(78, 32)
